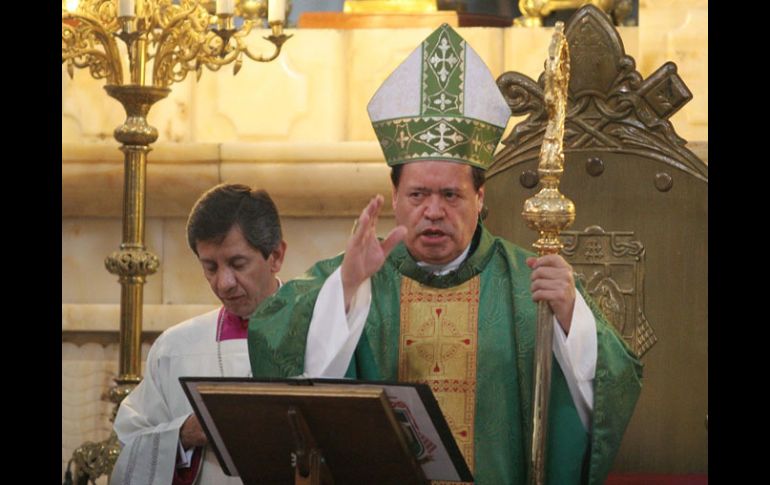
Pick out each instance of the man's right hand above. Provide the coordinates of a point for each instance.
(364, 253)
(191, 433)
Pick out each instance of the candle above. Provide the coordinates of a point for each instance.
(276, 9)
(225, 7)
(126, 8)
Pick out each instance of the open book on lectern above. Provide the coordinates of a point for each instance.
(363, 429)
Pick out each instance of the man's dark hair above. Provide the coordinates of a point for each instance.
(478, 175)
(227, 205)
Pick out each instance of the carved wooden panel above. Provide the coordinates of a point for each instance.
(610, 108)
(610, 265)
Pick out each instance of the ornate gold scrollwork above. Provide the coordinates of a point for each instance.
(96, 459)
(132, 263)
(180, 36)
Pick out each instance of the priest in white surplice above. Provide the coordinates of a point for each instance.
(236, 234)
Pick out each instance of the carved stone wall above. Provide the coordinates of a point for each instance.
(678, 32)
(318, 88)
(87, 371)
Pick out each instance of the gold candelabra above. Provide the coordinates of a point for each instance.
(548, 212)
(164, 41)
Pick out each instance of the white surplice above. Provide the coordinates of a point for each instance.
(149, 418)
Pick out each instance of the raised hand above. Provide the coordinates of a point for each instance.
(553, 281)
(364, 253)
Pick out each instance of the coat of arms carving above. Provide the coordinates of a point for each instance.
(610, 265)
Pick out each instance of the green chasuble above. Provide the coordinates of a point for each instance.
(507, 316)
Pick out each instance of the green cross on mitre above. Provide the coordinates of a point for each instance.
(441, 103)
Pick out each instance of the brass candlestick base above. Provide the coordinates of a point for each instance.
(93, 460)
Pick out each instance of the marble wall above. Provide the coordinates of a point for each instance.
(297, 127)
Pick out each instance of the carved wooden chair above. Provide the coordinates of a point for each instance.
(639, 242)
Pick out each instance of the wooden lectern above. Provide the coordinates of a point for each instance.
(325, 431)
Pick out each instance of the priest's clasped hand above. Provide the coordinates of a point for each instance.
(191, 434)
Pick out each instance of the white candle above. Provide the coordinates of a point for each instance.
(226, 7)
(126, 8)
(276, 9)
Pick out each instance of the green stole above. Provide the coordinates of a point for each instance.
(504, 369)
